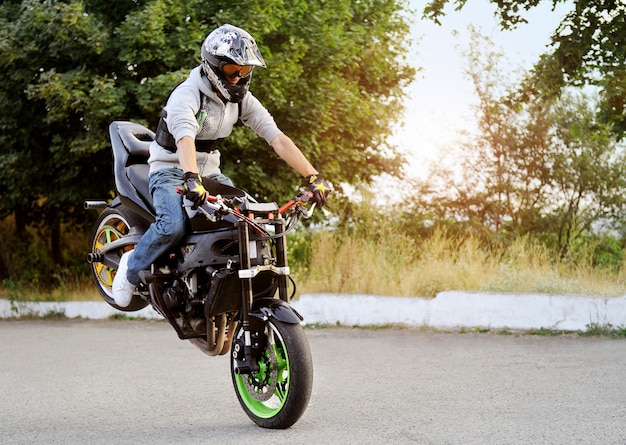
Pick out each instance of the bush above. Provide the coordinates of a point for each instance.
(26, 264)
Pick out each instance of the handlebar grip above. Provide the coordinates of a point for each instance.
(181, 191)
(286, 207)
(303, 197)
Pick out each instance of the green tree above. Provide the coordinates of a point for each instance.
(335, 79)
(587, 48)
(52, 97)
(533, 169)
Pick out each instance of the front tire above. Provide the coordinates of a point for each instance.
(111, 226)
(277, 395)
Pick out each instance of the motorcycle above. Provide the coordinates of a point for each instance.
(226, 289)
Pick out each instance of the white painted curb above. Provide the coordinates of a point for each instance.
(452, 309)
(457, 309)
(71, 309)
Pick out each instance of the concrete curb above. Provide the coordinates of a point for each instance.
(94, 310)
(448, 310)
(457, 309)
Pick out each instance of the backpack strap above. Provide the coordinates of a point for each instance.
(163, 136)
(165, 139)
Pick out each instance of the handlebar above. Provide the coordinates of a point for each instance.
(296, 207)
(300, 200)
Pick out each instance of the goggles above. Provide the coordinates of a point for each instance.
(232, 70)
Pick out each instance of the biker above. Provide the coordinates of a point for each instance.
(200, 111)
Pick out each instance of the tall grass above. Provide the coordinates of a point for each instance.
(344, 261)
(397, 265)
(28, 272)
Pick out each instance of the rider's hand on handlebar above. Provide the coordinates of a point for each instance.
(318, 188)
(194, 190)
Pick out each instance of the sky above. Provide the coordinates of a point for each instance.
(439, 103)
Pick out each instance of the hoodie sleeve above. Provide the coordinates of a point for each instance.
(256, 116)
(181, 109)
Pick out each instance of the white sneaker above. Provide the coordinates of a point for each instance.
(122, 288)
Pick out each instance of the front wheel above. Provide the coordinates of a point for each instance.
(277, 395)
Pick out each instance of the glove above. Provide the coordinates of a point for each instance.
(194, 190)
(318, 188)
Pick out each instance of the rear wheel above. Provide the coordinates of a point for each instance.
(111, 226)
(277, 395)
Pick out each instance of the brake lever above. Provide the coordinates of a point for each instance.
(217, 205)
(209, 216)
(307, 213)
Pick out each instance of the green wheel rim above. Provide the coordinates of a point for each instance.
(272, 406)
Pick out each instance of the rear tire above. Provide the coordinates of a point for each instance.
(277, 395)
(111, 226)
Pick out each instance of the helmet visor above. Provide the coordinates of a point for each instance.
(232, 70)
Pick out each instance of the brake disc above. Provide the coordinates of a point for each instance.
(261, 385)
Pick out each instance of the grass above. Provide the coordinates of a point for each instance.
(400, 266)
(394, 265)
(592, 330)
(604, 330)
(77, 290)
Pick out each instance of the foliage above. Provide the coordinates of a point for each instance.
(46, 91)
(388, 251)
(358, 258)
(587, 48)
(398, 265)
(547, 170)
(25, 263)
(336, 98)
(604, 330)
(334, 84)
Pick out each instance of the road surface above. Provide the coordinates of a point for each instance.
(134, 382)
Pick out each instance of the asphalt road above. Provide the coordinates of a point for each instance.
(134, 382)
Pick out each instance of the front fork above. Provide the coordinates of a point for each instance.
(248, 364)
(281, 259)
(280, 309)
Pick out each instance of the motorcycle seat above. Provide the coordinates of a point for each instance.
(138, 176)
(136, 138)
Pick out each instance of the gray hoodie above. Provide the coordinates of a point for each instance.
(207, 117)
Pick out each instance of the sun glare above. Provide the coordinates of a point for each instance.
(439, 104)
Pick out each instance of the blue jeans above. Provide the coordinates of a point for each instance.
(169, 227)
